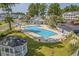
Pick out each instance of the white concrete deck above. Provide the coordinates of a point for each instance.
(59, 35)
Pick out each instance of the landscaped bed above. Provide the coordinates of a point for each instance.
(50, 49)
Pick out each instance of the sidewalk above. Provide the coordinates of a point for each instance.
(76, 53)
(5, 27)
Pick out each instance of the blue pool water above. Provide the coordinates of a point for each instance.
(42, 32)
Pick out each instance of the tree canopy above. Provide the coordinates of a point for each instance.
(54, 9)
(7, 8)
(71, 8)
(36, 9)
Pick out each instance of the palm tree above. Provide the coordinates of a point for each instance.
(7, 8)
(51, 21)
(71, 8)
(54, 9)
(36, 9)
(9, 19)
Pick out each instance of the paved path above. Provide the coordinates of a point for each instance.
(2, 27)
(76, 53)
(66, 27)
(5, 27)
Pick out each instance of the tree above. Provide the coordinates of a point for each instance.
(31, 10)
(54, 9)
(42, 9)
(60, 19)
(55, 13)
(9, 19)
(19, 13)
(36, 9)
(71, 8)
(7, 8)
(51, 21)
(74, 43)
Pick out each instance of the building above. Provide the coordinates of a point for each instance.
(13, 46)
(72, 19)
(14, 15)
(37, 20)
(71, 15)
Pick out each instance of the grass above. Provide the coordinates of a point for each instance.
(6, 32)
(46, 49)
(2, 23)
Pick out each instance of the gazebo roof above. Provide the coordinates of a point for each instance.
(12, 41)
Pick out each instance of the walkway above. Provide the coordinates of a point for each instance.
(66, 27)
(5, 27)
(76, 53)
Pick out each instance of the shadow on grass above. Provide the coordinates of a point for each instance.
(33, 45)
(34, 53)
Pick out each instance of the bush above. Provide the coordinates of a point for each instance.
(2, 34)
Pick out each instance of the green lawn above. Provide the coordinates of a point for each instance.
(2, 23)
(47, 49)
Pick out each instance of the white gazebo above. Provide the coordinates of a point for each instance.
(13, 46)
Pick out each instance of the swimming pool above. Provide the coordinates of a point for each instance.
(42, 32)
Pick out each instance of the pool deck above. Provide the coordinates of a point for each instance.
(58, 36)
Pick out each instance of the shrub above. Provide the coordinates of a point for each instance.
(2, 34)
